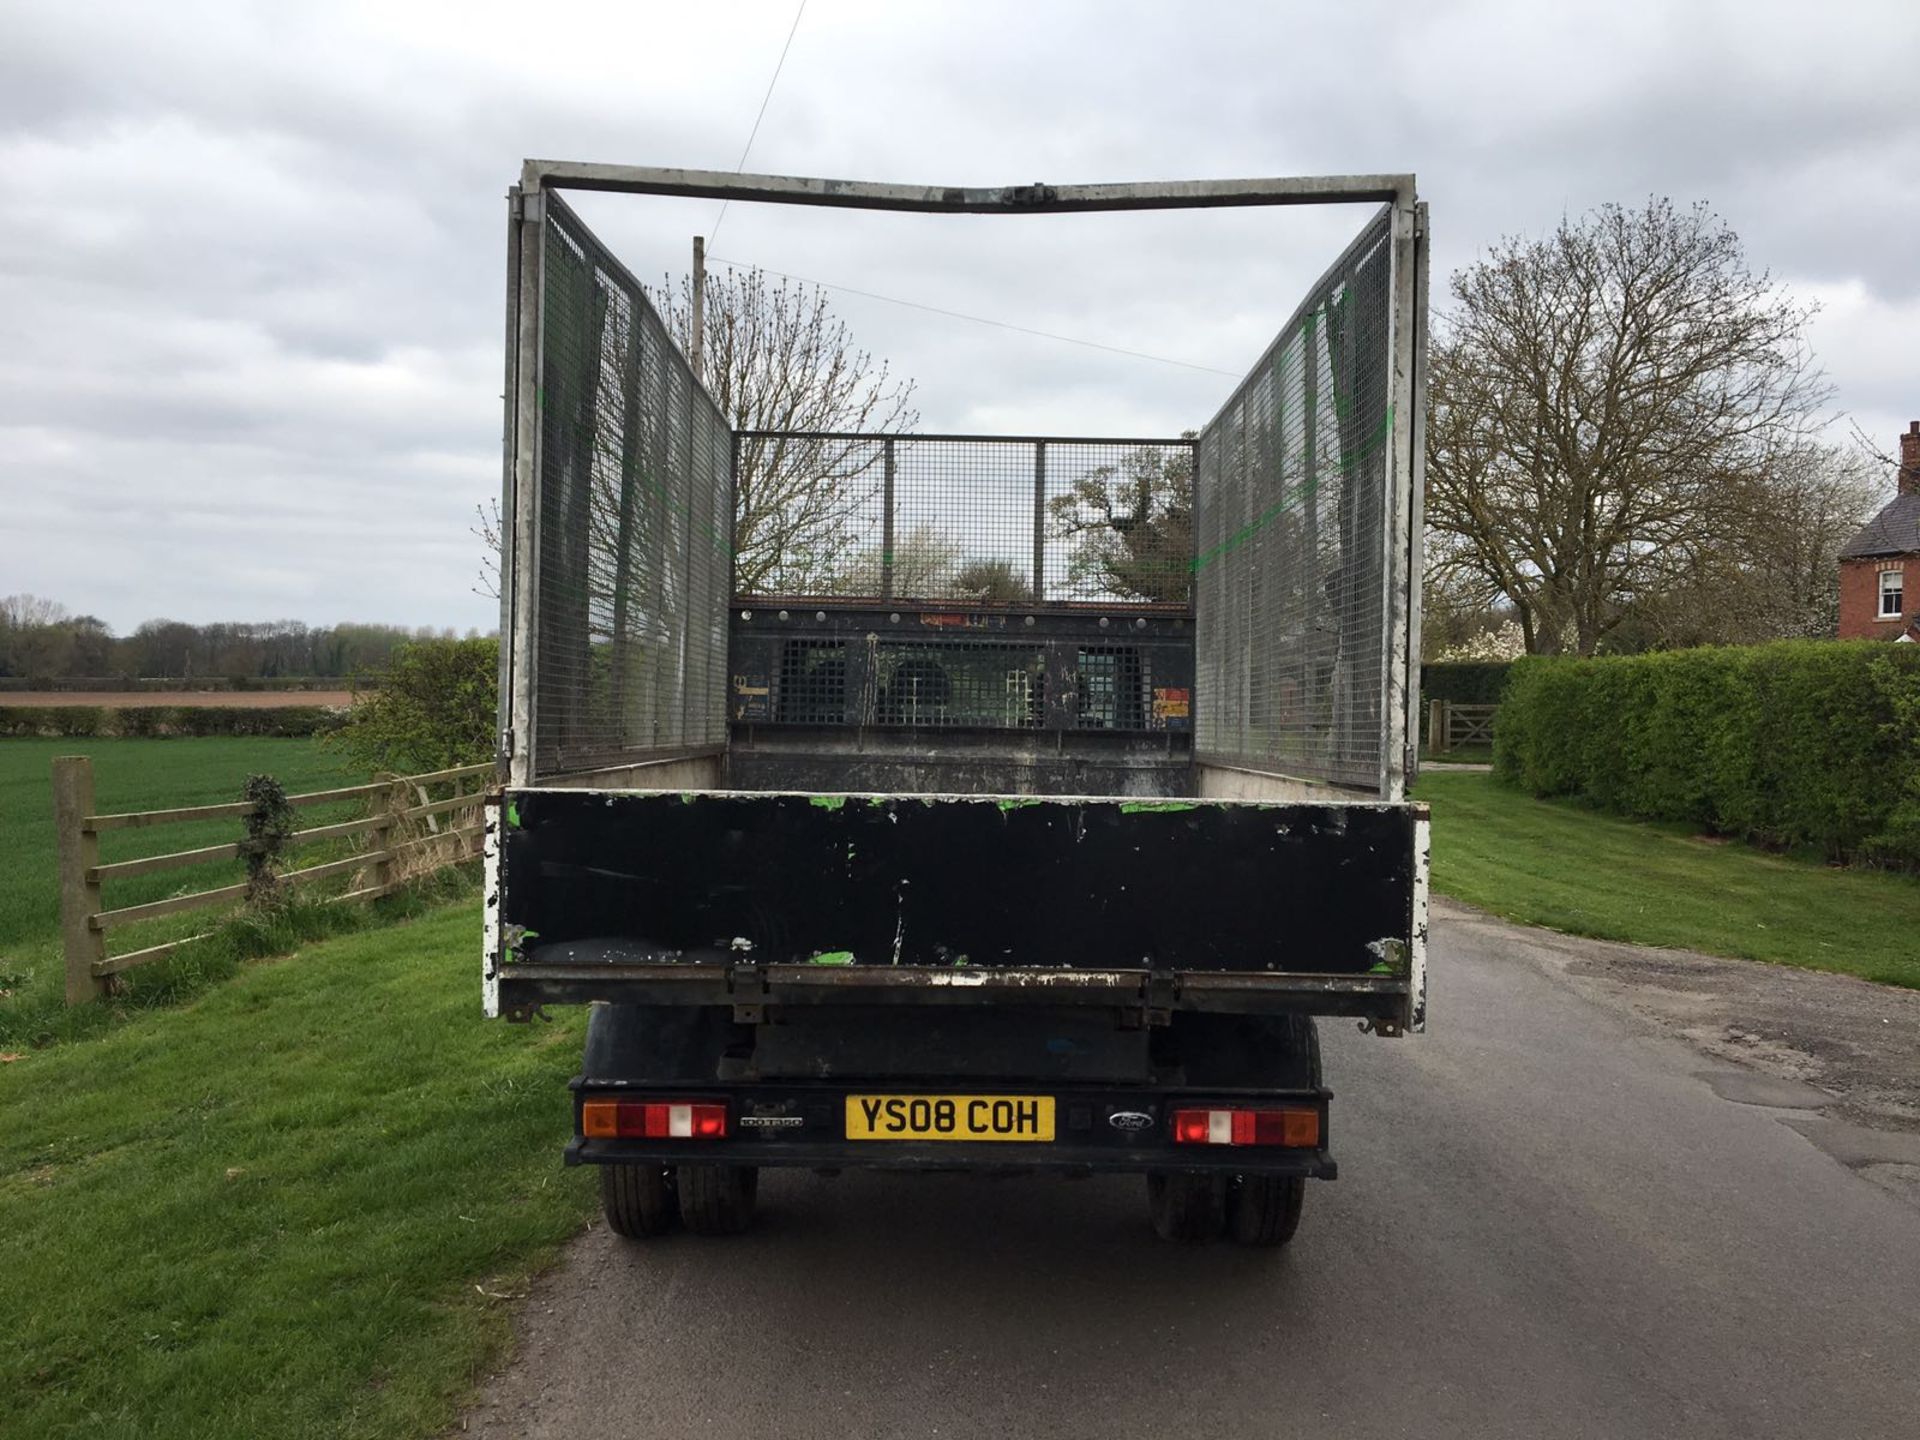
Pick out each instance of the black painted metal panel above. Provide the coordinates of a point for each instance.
(959, 882)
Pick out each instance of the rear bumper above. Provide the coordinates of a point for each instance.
(525, 986)
(803, 1125)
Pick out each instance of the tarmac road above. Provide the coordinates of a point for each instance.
(1549, 1222)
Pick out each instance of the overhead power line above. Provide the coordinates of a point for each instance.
(754, 133)
(980, 319)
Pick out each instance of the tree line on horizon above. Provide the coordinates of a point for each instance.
(41, 640)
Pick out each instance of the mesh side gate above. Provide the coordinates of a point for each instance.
(634, 560)
(1290, 582)
(966, 519)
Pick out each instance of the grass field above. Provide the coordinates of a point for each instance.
(266, 1213)
(1557, 864)
(128, 775)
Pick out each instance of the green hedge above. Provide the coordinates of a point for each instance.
(80, 721)
(1813, 743)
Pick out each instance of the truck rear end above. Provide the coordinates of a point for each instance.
(1030, 827)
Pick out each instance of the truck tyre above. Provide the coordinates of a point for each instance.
(1265, 1209)
(1187, 1207)
(638, 1200)
(718, 1199)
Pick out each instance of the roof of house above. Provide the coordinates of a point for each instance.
(1894, 531)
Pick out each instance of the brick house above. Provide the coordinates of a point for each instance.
(1880, 567)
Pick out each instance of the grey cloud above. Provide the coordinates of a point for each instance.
(251, 284)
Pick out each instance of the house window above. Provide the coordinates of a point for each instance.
(1892, 594)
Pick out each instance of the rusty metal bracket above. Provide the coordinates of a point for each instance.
(747, 982)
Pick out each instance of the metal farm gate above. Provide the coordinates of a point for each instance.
(1291, 539)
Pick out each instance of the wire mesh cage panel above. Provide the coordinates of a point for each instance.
(858, 668)
(634, 559)
(1292, 556)
(965, 519)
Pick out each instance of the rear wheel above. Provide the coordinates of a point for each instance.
(1265, 1209)
(1187, 1207)
(639, 1201)
(718, 1199)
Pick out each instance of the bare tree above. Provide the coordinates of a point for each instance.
(1609, 407)
(488, 528)
(926, 561)
(35, 636)
(992, 582)
(1778, 576)
(1130, 525)
(777, 358)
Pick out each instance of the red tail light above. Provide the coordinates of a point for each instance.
(653, 1120)
(1296, 1126)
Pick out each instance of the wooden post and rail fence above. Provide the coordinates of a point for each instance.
(1451, 725)
(396, 805)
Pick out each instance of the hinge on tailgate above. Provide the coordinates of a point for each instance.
(748, 983)
(1158, 997)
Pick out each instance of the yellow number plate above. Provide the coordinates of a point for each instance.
(950, 1117)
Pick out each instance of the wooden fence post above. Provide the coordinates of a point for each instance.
(79, 851)
(390, 802)
(1436, 727)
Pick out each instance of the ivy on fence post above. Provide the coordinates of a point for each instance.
(269, 829)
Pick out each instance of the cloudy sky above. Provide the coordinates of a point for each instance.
(252, 274)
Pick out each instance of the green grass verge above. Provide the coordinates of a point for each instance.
(265, 1213)
(129, 775)
(1558, 864)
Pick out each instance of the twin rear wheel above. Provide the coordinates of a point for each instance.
(1253, 1209)
(641, 1201)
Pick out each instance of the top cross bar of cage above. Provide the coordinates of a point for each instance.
(1035, 199)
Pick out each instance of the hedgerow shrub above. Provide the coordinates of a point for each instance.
(139, 721)
(1798, 743)
(76, 721)
(435, 709)
(82, 721)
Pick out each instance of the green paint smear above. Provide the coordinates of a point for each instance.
(1016, 804)
(1300, 492)
(833, 957)
(1156, 807)
(827, 802)
(1382, 968)
(513, 815)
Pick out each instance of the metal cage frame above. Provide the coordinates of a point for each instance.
(1406, 381)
